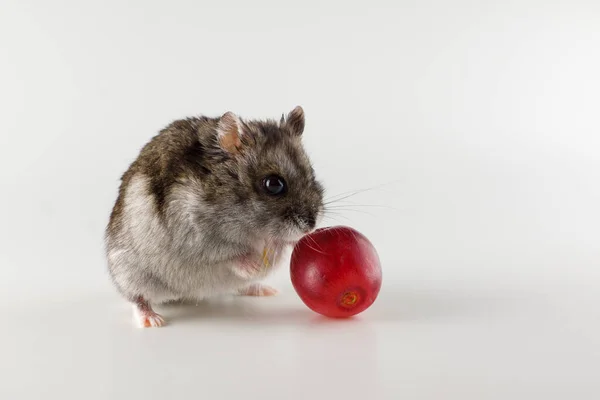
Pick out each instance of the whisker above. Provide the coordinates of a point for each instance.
(315, 242)
(338, 206)
(312, 248)
(337, 214)
(356, 191)
(358, 211)
(348, 194)
(337, 221)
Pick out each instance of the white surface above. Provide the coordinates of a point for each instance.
(480, 117)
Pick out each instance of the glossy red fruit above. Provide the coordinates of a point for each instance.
(336, 271)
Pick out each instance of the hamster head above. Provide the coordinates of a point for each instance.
(271, 186)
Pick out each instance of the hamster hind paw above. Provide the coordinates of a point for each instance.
(145, 317)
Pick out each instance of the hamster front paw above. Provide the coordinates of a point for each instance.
(253, 266)
(248, 268)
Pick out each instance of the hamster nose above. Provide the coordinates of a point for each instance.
(310, 222)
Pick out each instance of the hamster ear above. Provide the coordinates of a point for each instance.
(295, 121)
(229, 132)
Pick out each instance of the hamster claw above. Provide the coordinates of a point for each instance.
(258, 289)
(151, 321)
(145, 317)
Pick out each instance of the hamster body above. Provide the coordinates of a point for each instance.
(208, 207)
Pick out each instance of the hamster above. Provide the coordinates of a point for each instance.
(208, 207)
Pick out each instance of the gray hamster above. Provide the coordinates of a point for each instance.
(208, 207)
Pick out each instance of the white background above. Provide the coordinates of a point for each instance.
(480, 119)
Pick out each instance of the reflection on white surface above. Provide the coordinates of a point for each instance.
(431, 342)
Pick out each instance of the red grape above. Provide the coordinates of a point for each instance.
(336, 271)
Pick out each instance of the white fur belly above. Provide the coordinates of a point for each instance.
(164, 265)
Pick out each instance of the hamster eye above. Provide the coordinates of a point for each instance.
(274, 185)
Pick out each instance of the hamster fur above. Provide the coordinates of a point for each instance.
(208, 207)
